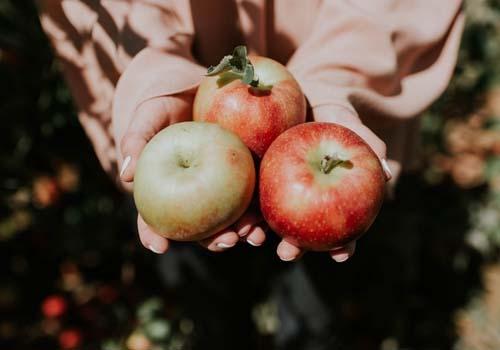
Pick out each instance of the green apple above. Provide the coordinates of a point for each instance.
(192, 180)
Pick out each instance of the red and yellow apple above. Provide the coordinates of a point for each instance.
(192, 180)
(321, 186)
(255, 97)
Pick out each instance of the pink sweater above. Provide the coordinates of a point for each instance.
(388, 60)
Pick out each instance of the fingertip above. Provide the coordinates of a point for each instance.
(150, 239)
(132, 145)
(340, 256)
(221, 241)
(246, 222)
(156, 250)
(387, 169)
(343, 253)
(125, 173)
(287, 251)
(244, 230)
(256, 237)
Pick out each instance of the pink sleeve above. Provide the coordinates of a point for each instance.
(386, 58)
(116, 54)
(164, 67)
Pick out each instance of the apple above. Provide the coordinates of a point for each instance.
(192, 180)
(321, 186)
(255, 97)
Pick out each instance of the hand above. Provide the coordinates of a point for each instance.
(151, 117)
(348, 118)
(250, 228)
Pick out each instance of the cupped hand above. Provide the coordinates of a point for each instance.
(348, 118)
(149, 118)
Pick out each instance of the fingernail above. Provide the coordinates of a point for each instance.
(253, 243)
(153, 249)
(244, 231)
(287, 258)
(387, 170)
(125, 164)
(224, 245)
(340, 257)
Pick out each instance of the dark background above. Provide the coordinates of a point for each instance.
(73, 274)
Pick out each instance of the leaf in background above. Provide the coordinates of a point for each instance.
(158, 329)
(149, 309)
(111, 344)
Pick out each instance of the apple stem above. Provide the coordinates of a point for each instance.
(331, 161)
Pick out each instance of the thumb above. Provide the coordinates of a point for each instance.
(149, 118)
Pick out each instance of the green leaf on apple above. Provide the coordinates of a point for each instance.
(239, 59)
(237, 66)
(227, 77)
(248, 75)
(223, 66)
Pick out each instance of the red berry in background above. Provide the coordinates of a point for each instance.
(45, 191)
(68, 177)
(321, 186)
(70, 339)
(54, 306)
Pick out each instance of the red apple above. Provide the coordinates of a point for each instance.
(256, 98)
(192, 180)
(321, 186)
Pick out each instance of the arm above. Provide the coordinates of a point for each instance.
(374, 65)
(130, 69)
(157, 89)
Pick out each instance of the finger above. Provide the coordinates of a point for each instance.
(395, 168)
(221, 241)
(256, 237)
(343, 253)
(149, 118)
(150, 239)
(247, 222)
(376, 144)
(288, 252)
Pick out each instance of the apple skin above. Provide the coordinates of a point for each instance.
(316, 210)
(192, 180)
(256, 116)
